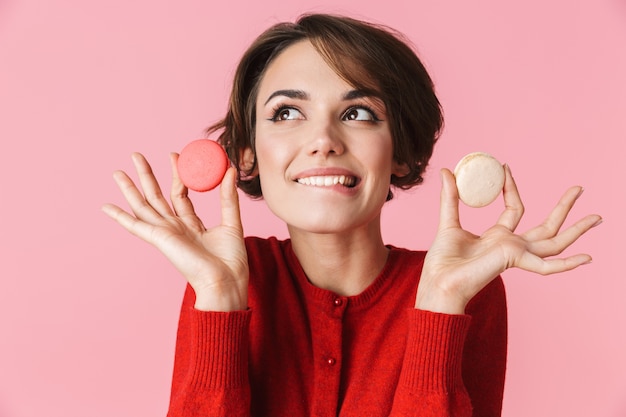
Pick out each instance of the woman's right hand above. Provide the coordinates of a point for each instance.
(214, 261)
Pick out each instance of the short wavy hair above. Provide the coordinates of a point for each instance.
(370, 57)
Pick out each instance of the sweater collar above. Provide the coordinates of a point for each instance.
(369, 296)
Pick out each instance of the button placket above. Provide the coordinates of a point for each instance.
(337, 310)
(327, 327)
(339, 306)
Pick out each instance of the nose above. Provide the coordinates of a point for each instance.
(325, 140)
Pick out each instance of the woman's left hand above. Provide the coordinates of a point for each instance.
(459, 264)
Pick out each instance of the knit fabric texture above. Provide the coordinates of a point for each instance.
(300, 350)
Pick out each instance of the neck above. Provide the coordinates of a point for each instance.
(344, 263)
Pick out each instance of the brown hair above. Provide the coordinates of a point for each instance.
(370, 57)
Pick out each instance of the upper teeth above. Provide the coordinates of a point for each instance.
(328, 180)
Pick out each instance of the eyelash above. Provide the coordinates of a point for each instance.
(279, 108)
(368, 109)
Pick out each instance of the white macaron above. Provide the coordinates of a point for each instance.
(479, 179)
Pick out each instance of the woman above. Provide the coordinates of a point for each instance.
(327, 114)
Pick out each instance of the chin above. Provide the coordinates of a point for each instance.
(327, 224)
(326, 215)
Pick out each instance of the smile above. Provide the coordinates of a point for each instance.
(328, 180)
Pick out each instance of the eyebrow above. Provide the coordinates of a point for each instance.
(372, 96)
(303, 95)
(297, 94)
(352, 94)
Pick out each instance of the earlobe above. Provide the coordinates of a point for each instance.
(400, 170)
(247, 162)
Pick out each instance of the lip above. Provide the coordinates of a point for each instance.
(326, 171)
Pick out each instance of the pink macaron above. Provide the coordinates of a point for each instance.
(202, 164)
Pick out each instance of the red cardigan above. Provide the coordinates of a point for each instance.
(300, 350)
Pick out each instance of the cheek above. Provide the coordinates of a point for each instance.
(380, 159)
(270, 157)
(381, 155)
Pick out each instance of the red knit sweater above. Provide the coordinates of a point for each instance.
(303, 351)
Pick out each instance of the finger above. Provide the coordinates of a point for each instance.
(533, 263)
(554, 221)
(128, 222)
(514, 209)
(449, 201)
(229, 199)
(135, 199)
(560, 242)
(179, 194)
(150, 186)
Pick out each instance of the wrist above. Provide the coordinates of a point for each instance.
(439, 301)
(220, 301)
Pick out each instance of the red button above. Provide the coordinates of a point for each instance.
(331, 361)
(338, 302)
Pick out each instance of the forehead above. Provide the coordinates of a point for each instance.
(300, 66)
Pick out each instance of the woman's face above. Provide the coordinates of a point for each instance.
(324, 150)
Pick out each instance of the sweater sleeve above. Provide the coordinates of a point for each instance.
(454, 365)
(484, 358)
(211, 363)
(431, 383)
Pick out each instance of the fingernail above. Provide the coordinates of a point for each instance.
(597, 223)
(580, 192)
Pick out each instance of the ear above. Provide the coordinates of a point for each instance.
(399, 170)
(248, 158)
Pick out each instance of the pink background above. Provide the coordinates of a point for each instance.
(88, 313)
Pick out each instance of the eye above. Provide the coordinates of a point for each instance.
(363, 114)
(286, 113)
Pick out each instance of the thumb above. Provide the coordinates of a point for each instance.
(449, 204)
(229, 199)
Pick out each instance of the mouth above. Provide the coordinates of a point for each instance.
(348, 181)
